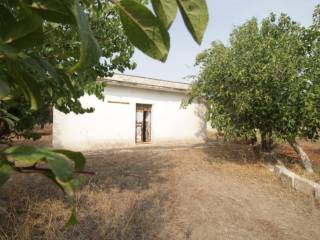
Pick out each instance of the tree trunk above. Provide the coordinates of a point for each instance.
(263, 142)
(269, 141)
(302, 155)
(266, 142)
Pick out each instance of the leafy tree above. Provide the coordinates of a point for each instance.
(266, 80)
(61, 48)
(23, 68)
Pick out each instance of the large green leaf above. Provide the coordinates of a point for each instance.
(57, 75)
(5, 18)
(90, 51)
(166, 10)
(24, 156)
(8, 115)
(8, 51)
(68, 189)
(4, 88)
(21, 76)
(143, 29)
(9, 122)
(54, 10)
(22, 28)
(34, 39)
(58, 165)
(196, 17)
(5, 170)
(77, 157)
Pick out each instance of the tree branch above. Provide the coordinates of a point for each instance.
(35, 169)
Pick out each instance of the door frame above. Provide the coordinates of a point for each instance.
(149, 106)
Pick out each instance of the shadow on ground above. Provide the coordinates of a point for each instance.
(125, 199)
(220, 152)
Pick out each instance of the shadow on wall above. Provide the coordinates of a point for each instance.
(144, 95)
(200, 111)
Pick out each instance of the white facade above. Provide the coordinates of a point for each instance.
(114, 120)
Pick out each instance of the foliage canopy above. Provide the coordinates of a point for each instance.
(266, 80)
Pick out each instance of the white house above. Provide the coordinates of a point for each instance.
(135, 110)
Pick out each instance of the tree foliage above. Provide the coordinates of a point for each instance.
(49, 51)
(266, 80)
(61, 49)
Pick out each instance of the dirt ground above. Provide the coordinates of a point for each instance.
(219, 191)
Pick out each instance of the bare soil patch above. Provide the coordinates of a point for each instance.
(219, 191)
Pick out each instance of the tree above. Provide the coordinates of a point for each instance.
(264, 81)
(22, 24)
(61, 48)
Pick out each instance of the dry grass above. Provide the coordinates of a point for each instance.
(122, 201)
(217, 192)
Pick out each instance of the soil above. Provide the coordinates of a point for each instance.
(215, 191)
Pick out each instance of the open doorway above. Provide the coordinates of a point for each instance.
(143, 123)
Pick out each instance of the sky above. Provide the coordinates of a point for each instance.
(224, 15)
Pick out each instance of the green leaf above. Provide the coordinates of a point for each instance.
(9, 121)
(24, 156)
(4, 88)
(22, 28)
(5, 17)
(195, 16)
(5, 170)
(9, 115)
(53, 11)
(34, 39)
(90, 51)
(7, 50)
(58, 165)
(68, 189)
(73, 218)
(22, 77)
(78, 181)
(77, 157)
(144, 30)
(166, 11)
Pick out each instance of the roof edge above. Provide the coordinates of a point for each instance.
(146, 83)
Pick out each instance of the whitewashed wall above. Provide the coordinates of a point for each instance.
(114, 124)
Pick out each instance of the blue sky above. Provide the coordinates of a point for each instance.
(224, 16)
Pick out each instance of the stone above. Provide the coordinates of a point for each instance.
(303, 185)
(278, 169)
(317, 191)
(287, 178)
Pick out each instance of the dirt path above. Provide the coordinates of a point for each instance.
(220, 192)
(231, 201)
